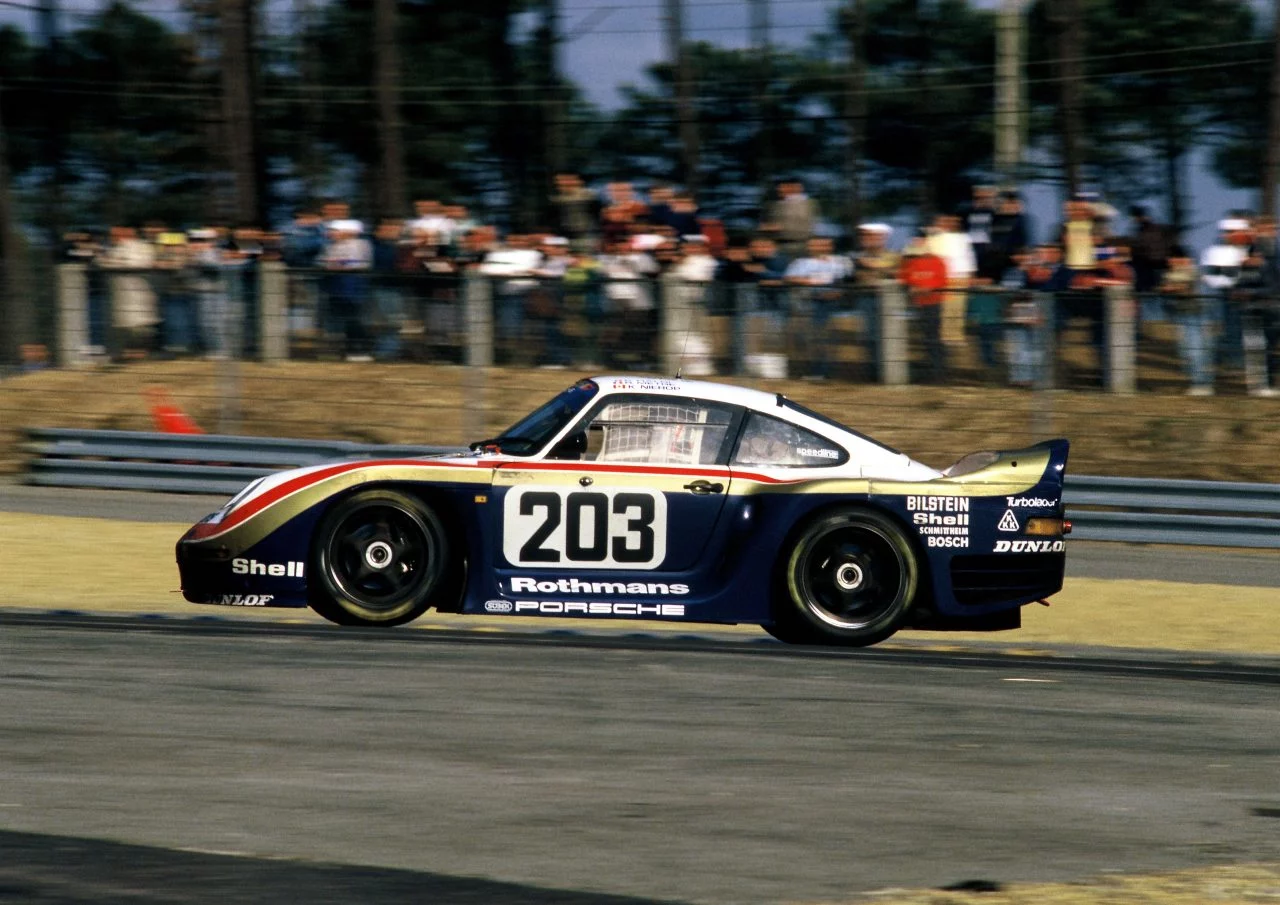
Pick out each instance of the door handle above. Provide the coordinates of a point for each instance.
(703, 487)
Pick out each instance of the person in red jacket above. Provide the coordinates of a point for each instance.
(925, 276)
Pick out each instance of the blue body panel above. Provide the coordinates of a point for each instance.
(721, 559)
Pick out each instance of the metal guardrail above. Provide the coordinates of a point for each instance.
(182, 463)
(1155, 511)
(1134, 510)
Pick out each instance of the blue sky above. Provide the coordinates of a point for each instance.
(619, 41)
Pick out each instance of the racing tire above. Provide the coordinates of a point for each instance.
(848, 579)
(787, 633)
(380, 558)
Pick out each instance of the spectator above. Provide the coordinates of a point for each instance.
(348, 260)
(660, 210)
(134, 315)
(1077, 236)
(460, 223)
(795, 215)
(304, 240)
(874, 262)
(477, 244)
(545, 303)
(986, 315)
(683, 218)
(204, 257)
(432, 216)
(514, 262)
(979, 224)
(953, 246)
(1268, 300)
(583, 305)
(622, 212)
(705, 337)
(1010, 231)
(630, 303)
(172, 282)
(1250, 296)
(820, 276)
(244, 253)
(874, 265)
(1192, 311)
(303, 244)
(1150, 245)
(1220, 268)
(734, 296)
(925, 276)
(82, 247)
(388, 300)
(1022, 318)
(431, 282)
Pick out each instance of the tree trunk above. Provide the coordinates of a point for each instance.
(1009, 92)
(508, 128)
(1271, 168)
(765, 108)
(17, 317)
(238, 109)
(855, 108)
(1173, 154)
(687, 125)
(926, 190)
(1070, 53)
(554, 105)
(392, 194)
(55, 120)
(308, 162)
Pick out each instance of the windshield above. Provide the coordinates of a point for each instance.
(533, 431)
(784, 402)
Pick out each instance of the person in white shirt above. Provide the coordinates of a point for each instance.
(135, 316)
(349, 258)
(687, 329)
(954, 246)
(1219, 272)
(628, 292)
(515, 262)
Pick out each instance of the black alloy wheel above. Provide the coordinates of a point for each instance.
(380, 556)
(849, 579)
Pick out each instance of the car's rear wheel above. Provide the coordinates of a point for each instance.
(380, 556)
(849, 578)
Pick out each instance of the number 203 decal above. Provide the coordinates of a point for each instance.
(584, 529)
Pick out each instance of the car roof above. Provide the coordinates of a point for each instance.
(873, 457)
(679, 386)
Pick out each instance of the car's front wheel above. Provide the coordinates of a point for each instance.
(849, 578)
(380, 556)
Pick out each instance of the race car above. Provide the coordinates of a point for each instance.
(627, 498)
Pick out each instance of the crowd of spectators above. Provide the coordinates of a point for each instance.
(590, 290)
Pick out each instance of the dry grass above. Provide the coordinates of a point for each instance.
(1240, 884)
(1158, 435)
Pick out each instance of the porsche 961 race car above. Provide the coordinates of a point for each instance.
(647, 498)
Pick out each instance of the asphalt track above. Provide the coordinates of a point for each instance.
(185, 761)
(1190, 565)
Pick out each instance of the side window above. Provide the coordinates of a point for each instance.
(663, 430)
(770, 441)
